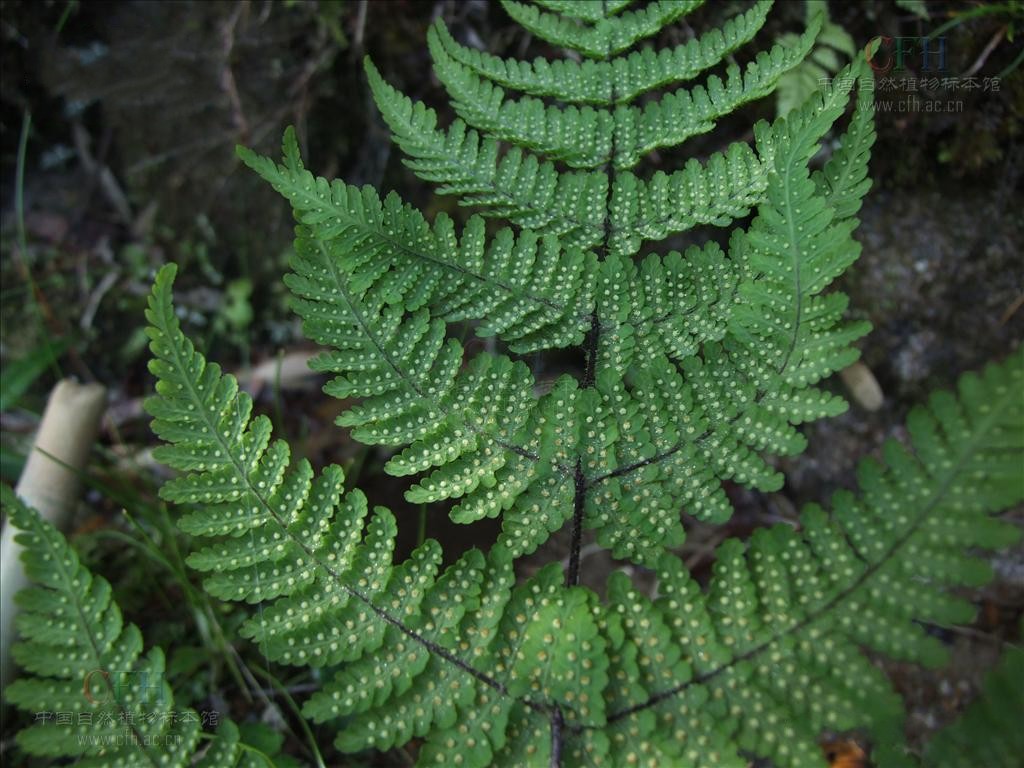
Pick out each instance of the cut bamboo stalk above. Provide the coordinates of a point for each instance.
(50, 483)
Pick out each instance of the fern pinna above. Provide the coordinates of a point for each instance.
(697, 365)
(94, 695)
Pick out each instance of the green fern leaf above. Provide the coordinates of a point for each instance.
(776, 637)
(696, 367)
(773, 349)
(95, 695)
(532, 292)
(296, 544)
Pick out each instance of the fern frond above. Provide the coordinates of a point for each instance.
(762, 661)
(535, 195)
(785, 334)
(609, 34)
(615, 81)
(295, 543)
(582, 137)
(95, 695)
(696, 367)
(717, 305)
(773, 646)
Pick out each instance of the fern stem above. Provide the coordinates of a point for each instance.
(572, 574)
(421, 529)
(557, 721)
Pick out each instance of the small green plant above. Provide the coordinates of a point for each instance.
(988, 732)
(696, 367)
(833, 47)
